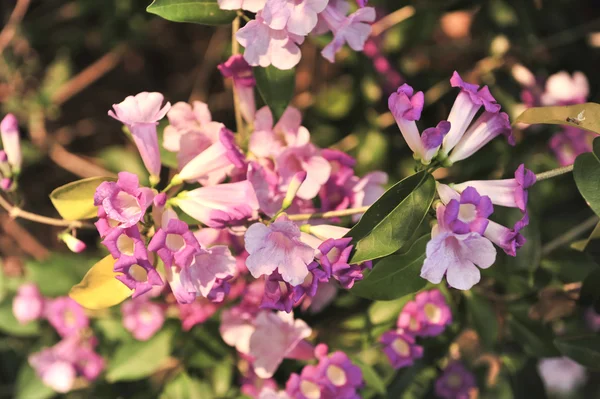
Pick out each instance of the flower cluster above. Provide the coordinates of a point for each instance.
(426, 316)
(464, 236)
(74, 355)
(558, 89)
(280, 26)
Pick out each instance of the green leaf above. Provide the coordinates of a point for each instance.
(372, 379)
(395, 276)
(391, 221)
(29, 386)
(136, 360)
(584, 116)
(381, 312)
(483, 318)
(586, 172)
(584, 350)
(56, 275)
(205, 12)
(185, 387)
(75, 201)
(11, 326)
(117, 159)
(533, 336)
(276, 87)
(222, 376)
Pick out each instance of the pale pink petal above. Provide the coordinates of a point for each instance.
(462, 274)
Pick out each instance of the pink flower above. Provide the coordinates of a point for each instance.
(66, 316)
(400, 348)
(175, 243)
(278, 247)
(142, 318)
(305, 158)
(126, 246)
(72, 243)
(140, 276)
(340, 376)
(269, 141)
(220, 206)
(125, 201)
(28, 304)
(248, 5)
(275, 337)
(207, 267)
(570, 142)
(334, 255)
(297, 17)
(213, 164)
(196, 312)
(410, 319)
(456, 255)
(434, 313)
(468, 213)
(195, 123)
(353, 29)
(54, 372)
(237, 326)
(265, 46)
(243, 82)
(307, 385)
(563, 89)
(11, 142)
(510, 240)
(141, 115)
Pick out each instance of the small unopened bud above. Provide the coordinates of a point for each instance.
(72, 243)
(160, 200)
(6, 184)
(293, 188)
(3, 157)
(9, 130)
(523, 75)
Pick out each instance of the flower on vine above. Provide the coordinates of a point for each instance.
(126, 246)
(237, 68)
(457, 256)
(297, 17)
(248, 5)
(303, 159)
(74, 244)
(139, 276)
(269, 140)
(278, 295)
(564, 89)
(278, 247)
(434, 313)
(175, 243)
(28, 304)
(142, 318)
(561, 375)
(124, 201)
(569, 143)
(456, 382)
(208, 266)
(467, 212)
(410, 319)
(307, 384)
(11, 142)
(196, 312)
(141, 113)
(334, 257)
(66, 316)
(510, 240)
(400, 348)
(190, 124)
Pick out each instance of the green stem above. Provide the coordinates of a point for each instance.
(554, 172)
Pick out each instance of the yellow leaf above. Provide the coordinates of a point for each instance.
(99, 288)
(584, 116)
(75, 201)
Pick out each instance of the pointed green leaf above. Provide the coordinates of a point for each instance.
(185, 387)
(372, 379)
(276, 87)
(75, 201)
(10, 325)
(584, 116)
(483, 318)
(391, 221)
(29, 386)
(205, 12)
(586, 172)
(584, 350)
(395, 276)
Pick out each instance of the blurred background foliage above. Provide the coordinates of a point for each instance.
(69, 61)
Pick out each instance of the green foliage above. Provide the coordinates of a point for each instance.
(276, 87)
(584, 350)
(205, 12)
(29, 386)
(395, 276)
(75, 200)
(134, 360)
(483, 318)
(56, 275)
(391, 221)
(10, 325)
(590, 294)
(535, 338)
(185, 387)
(372, 379)
(586, 172)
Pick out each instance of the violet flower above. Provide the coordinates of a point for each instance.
(175, 243)
(456, 382)
(434, 312)
(66, 316)
(243, 82)
(400, 348)
(142, 318)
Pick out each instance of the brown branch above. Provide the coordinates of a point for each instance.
(8, 32)
(26, 241)
(16, 212)
(391, 20)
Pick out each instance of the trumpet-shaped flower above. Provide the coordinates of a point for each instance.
(400, 348)
(141, 113)
(126, 246)
(142, 318)
(456, 382)
(66, 316)
(434, 313)
(124, 201)
(194, 122)
(353, 29)
(297, 17)
(307, 159)
(564, 89)
(175, 243)
(270, 140)
(410, 319)
(243, 82)
(510, 240)
(561, 375)
(278, 247)
(208, 266)
(11, 142)
(139, 276)
(469, 213)
(456, 255)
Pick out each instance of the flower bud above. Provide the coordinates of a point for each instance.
(72, 243)
(293, 188)
(9, 131)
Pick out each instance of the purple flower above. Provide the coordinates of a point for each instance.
(208, 266)
(219, 290)
(278, 295)
(338, 375)
(124, 201)
(193, 126)
(298, 17)
(66, 316)
(469, 214)
(307, 385)
(569, 143)
(142, 318)
(126, 246)
(470, 99)
(278, 247)
(195, 313)
(353, 29)
(334, 257)
(303, 159)
(11, 142)
(410, 319)
(434, 313)
(141, 115)
(237, 68)
(508, 192)
(510, 240)
(74, 244)
(309, 286)
(175, 243)
(486, 127)
(28, 304)
(456, 382)
(456, 255)
(562, 89)
(139, 276)
(55, 372)
(400, 348)
(561, 375)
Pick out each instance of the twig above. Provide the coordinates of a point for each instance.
(8, 32)
(328, 215)
(391, 20)
(89, 75)
(554, 172)
(235, 49)
(570, 235)
(16, 212)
